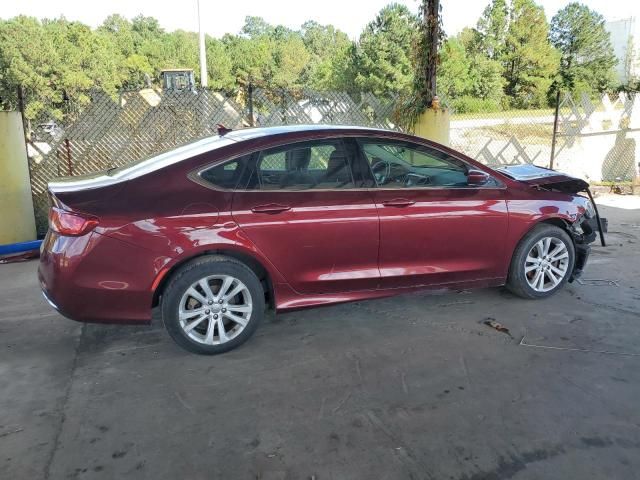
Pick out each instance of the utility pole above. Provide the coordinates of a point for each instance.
(430, 119)
(203, 52)
(431, 32)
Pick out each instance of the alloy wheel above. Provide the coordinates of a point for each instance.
(215, 309)
(547, 264)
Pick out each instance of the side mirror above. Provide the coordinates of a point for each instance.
(476, 178)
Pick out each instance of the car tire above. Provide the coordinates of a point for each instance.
(186, 303)
(540, 257)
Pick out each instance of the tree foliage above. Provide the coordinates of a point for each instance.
(529, 61)
(492, 29)
(511, 58)
(587, 57)
(330, 54)
(468, 75)
(384, 55)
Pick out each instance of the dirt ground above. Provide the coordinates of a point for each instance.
(412, 387)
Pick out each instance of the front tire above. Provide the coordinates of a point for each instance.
(542, 263)
(212, 305)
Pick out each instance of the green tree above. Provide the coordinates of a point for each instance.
(330, 55)
(149, 41)
(492, 29)
(587, 59)
(454, 78)
(219, 65)
(179, 49)
(270, 55)
(135, 69)
(384, 55)
(289, 59)
(255, 27)
(57, 62)
(250, 57)
(120, 30)
(529, 60)
(86, 60)
(29, 60)
(485, 73)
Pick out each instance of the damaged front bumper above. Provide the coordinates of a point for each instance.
(584, 232)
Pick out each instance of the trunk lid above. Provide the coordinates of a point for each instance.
(545, 178)
(85, 193)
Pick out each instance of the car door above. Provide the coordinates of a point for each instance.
(302, 208)
(434, 227)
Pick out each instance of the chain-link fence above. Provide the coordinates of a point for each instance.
(595, 140)
(114, 131)
(505, 137)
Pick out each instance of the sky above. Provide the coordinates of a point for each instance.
(220, 17)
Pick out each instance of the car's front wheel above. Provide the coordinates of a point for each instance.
(542, 263)
(212, 305)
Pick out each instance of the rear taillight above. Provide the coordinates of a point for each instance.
(71, 223)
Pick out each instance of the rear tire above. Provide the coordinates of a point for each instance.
(212, 305)
(542, 262)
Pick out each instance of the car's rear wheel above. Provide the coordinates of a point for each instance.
(542, 262)
(212, 305)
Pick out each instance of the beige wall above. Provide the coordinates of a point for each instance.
(17, 223)
(433, 125)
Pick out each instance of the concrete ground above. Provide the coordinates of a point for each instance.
(413, 387)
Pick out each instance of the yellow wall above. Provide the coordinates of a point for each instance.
(17, 223)
(433, 125)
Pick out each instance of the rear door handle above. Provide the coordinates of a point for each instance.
(398, 202)
(270, 208)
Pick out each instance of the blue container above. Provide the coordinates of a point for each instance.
(19, 247)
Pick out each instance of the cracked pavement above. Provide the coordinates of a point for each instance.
(415, 386)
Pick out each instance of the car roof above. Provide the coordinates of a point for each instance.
(189, 150)
(258, 132)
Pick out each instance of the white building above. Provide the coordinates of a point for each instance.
(625, 38)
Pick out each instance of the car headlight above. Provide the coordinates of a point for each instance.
(589, 209)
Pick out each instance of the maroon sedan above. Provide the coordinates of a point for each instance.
(300, 216)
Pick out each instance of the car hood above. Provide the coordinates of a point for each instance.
(544, 178)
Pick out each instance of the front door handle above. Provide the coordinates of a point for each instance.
(398, 202)
(271, 208)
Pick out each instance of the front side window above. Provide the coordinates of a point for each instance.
(397, 164)
(303, 166)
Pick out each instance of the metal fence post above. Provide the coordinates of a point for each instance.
(555, 129)
(67, 148)
(283, 106)
(250, 104)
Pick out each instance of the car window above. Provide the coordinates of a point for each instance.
(225, 175)
(303, 166)
(405, 165)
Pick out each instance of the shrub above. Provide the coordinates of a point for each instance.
(468, 104)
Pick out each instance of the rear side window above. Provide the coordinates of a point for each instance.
(226, 175)
(323, 164)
